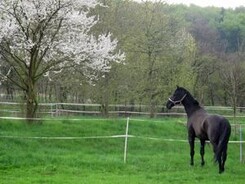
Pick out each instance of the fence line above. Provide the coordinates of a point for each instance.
(66, 138)
(50, 119)
(105, 137)
(94, 119)
(119, 136)
(125, 136)
(57, 109)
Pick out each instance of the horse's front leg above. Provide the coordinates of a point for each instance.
(192, 146)
(202, 151)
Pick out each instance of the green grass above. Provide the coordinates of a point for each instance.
(84, 161)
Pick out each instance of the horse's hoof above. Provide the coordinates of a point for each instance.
(221, 171)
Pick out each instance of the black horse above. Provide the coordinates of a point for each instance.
(200, 124)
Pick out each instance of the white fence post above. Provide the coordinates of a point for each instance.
(51, 110)
(126, 142)
(241, 143)
(56, 110)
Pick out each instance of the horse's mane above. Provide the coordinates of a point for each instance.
(194, 101)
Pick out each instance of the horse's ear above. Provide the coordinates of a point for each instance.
(177, 86)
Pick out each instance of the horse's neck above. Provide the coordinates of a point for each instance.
(191, 107)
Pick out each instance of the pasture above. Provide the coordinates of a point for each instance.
(66, 151)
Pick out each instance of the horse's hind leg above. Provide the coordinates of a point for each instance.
(202, 151)
(218, 156)
(224, 156)
(215, 150)
(192, 151)
(219, 159)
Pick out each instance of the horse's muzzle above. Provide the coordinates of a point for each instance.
(169, 104)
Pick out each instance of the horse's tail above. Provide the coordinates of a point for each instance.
(223, 139)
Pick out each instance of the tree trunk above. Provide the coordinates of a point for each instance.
(105, 109)
(152, 109)
(31, 101)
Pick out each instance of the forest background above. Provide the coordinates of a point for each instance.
(202, 49)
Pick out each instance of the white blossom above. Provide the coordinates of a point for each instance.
(59, 30)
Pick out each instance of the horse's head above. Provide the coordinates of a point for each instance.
(178, 96)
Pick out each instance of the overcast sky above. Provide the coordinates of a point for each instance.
(204, 3)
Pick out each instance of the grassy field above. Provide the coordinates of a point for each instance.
(25, 158)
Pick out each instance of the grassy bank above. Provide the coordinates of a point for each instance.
(37, 154)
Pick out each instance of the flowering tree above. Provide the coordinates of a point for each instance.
(38, 37)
